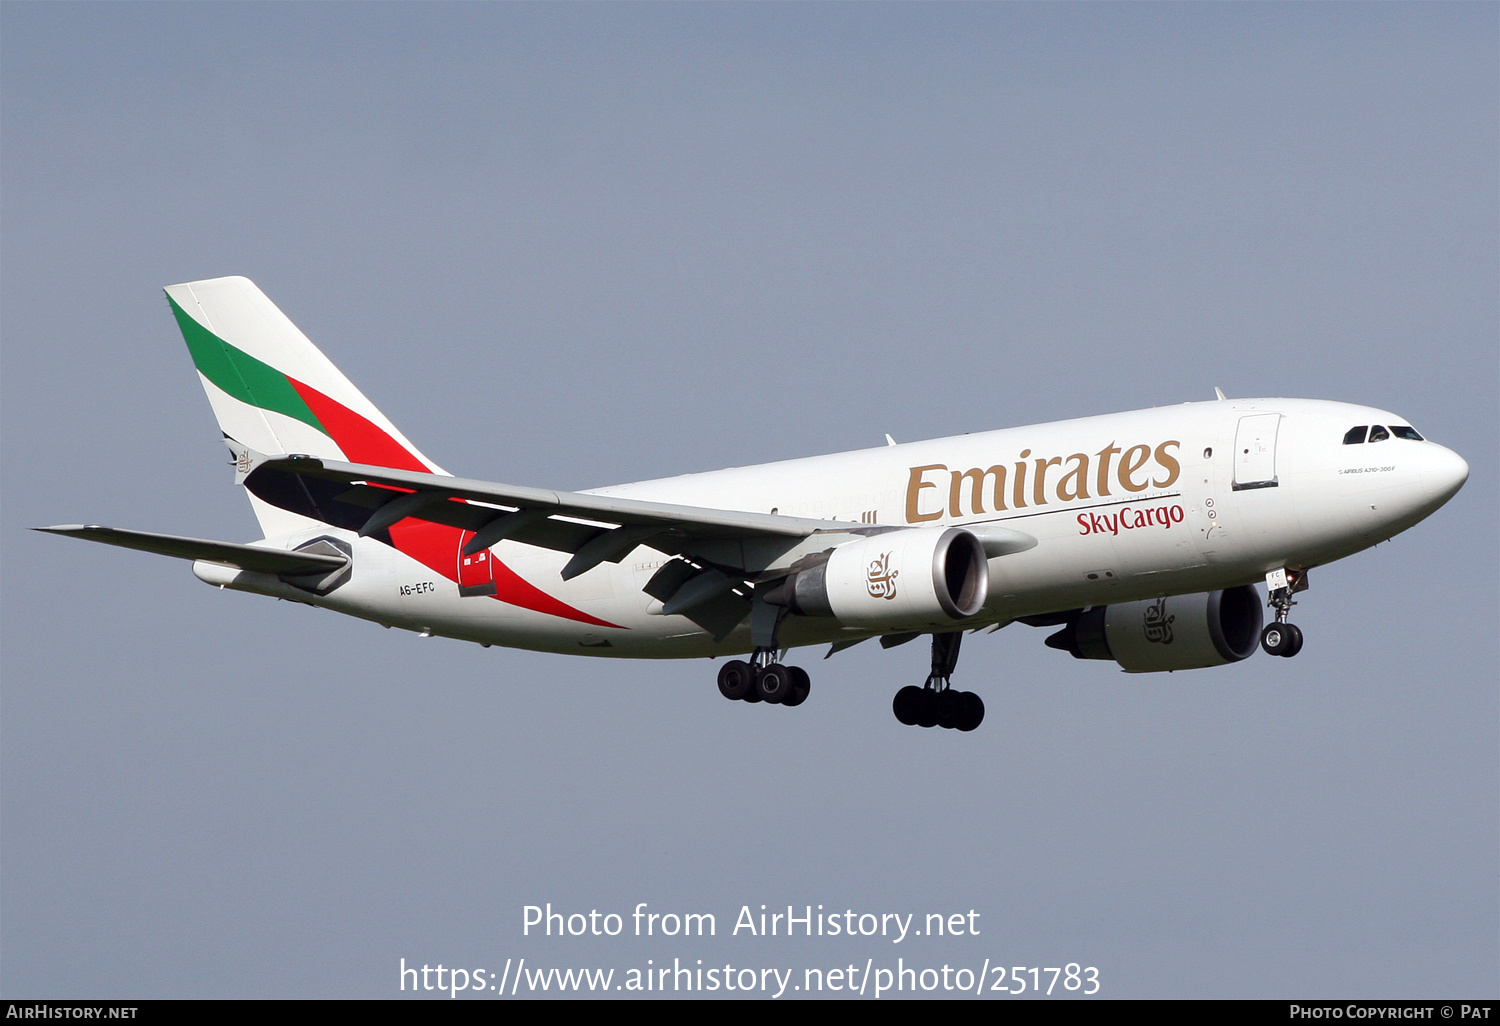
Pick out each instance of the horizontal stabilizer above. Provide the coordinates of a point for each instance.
(246, 557)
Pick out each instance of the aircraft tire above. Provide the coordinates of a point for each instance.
(1294, 640)
(801, 687)
(973, 712)
(1275, 639)
(927, 709)
(736, 680)
(950, 708)
(774, 684)
(906, 704)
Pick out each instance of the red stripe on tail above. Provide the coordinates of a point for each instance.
(362, 440)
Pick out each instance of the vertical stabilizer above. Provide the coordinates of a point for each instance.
(273, 391)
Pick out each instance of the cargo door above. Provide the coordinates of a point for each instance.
(1255, 451)
(476, 573)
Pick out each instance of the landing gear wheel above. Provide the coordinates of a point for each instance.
(801, 687)
(927, 708)
(950, 708)
(937, 704)
(1294, 640)
(1276, 639)
(973, 714)
(736, 680)
(907, 704)
(774, 684)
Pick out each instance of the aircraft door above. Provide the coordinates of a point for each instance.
(476, 573)
(1255, 451)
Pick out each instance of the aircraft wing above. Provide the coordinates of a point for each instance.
(594, 528)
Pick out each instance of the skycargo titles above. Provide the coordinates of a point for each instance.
(1138, 469)
(1129, 518)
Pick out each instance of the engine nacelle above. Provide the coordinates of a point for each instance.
(1179, 632)
(914, 577)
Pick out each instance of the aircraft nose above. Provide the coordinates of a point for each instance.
(1443, 473)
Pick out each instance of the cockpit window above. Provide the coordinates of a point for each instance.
(1402, 431)
(1356, 435)
(1379, 434)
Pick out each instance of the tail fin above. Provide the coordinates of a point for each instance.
(274, 392)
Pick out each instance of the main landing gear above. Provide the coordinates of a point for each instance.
(763, 680)
(936, 704)
(1281, 638)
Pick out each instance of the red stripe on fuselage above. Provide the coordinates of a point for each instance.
(435, 546)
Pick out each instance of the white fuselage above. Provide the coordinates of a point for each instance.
(1123, 507)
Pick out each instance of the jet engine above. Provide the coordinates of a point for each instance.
(911, 578)
(1179, 632)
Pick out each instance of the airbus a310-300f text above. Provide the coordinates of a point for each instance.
(1139, 536)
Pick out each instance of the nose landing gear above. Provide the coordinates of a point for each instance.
(1281, 638)
(936, 703)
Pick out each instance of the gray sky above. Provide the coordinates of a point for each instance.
(574, 245)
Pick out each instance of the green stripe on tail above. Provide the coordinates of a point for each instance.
(241, 375)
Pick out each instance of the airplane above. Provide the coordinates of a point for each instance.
(1140, 536)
